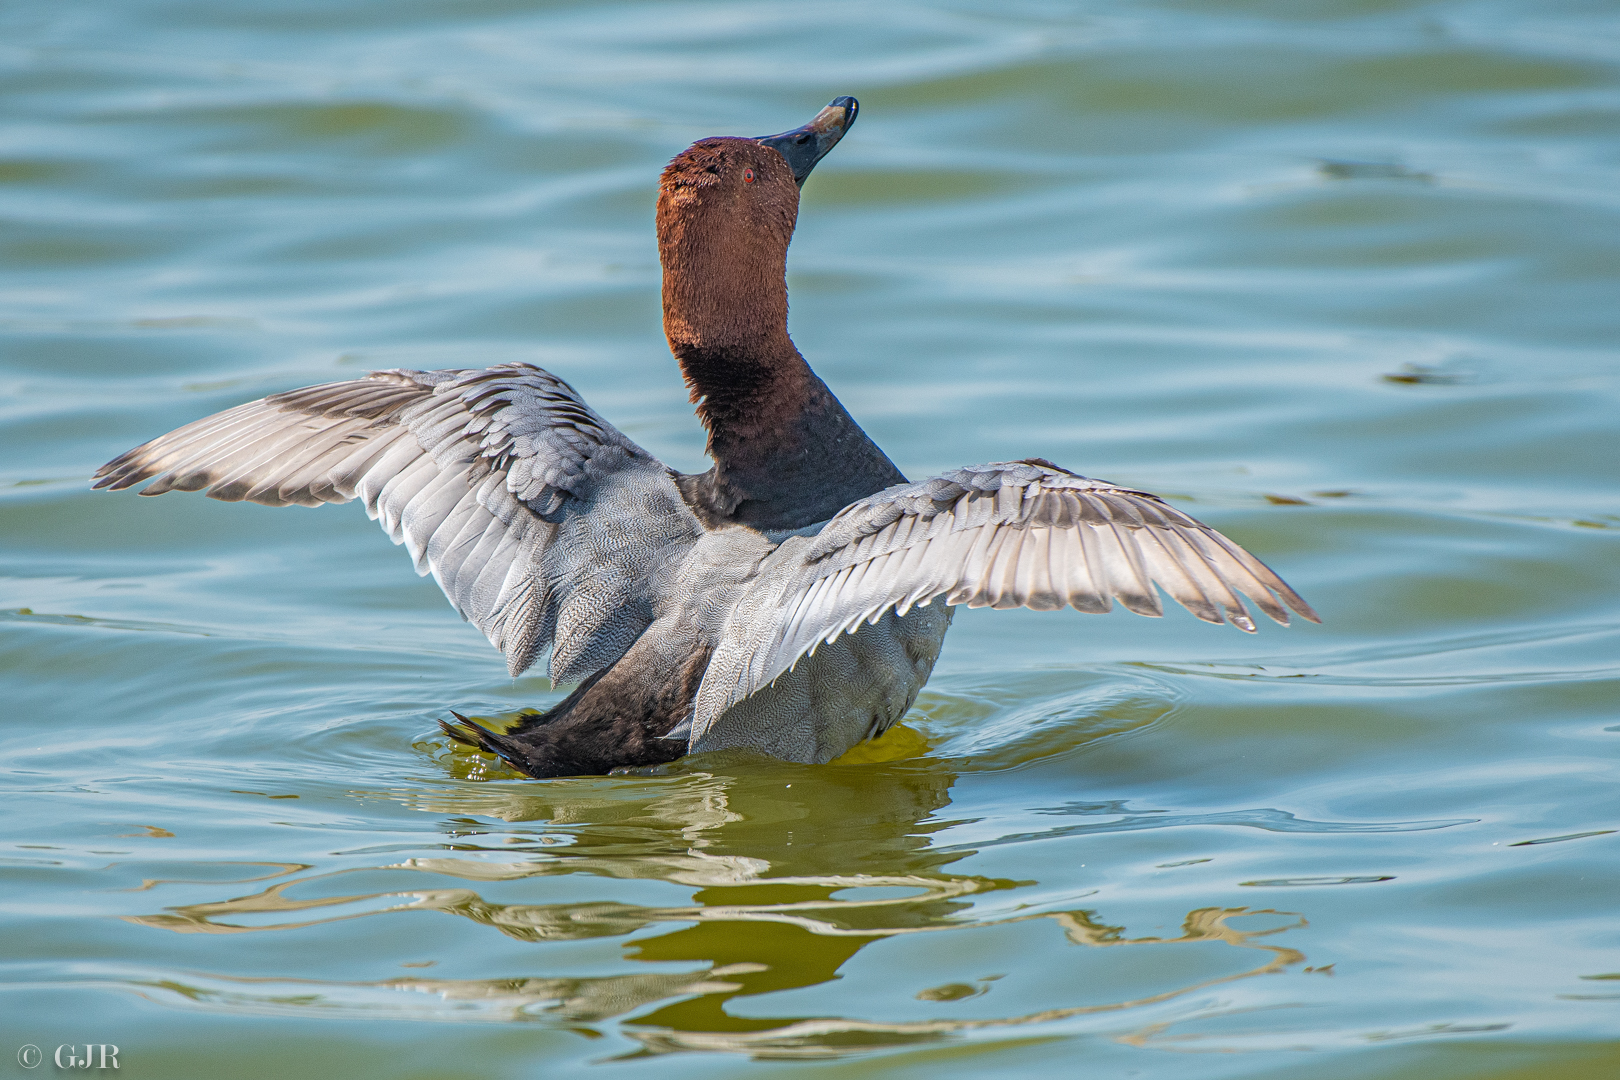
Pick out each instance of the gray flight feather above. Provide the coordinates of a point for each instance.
(541, 522)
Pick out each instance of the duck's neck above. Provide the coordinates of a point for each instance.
(786, 453)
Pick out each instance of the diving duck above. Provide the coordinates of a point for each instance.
(792, 599)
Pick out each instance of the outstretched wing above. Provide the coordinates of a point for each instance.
(539, 519)
(1011, 534)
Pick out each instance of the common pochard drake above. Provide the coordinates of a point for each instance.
(791, 600)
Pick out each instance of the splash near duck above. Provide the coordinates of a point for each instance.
(791, 600)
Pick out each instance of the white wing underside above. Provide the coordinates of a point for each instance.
(1005, 535)
(538, 519)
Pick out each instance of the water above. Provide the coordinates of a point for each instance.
(1339, 278)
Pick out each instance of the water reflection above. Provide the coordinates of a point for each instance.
(792, 870)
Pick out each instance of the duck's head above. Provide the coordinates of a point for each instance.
(726, 211)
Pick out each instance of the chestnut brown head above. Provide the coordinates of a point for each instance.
(726, 212)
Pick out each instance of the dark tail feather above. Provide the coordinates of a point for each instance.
(491, 742)
(465, 732)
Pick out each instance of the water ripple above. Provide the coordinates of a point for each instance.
(1266, 819)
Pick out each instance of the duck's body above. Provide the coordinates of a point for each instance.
(780, 601)
(643, 709)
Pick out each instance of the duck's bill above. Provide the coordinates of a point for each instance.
(804, 146)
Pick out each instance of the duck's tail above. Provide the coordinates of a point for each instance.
(468, 733)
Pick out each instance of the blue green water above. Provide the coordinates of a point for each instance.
(1340, 277)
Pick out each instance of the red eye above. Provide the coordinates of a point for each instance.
(748, 176)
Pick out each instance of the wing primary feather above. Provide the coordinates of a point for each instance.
(1208, 577)
(233, 475)
(850, 590)
(160, 455)
(213, 461)
(1236, 574)
(1172, 575)
(195, 464)
(1259, 571)
(1060, 548)
(272, 485)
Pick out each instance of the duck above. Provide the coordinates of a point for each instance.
(791, 601)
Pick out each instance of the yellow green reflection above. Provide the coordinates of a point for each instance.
(792, 872)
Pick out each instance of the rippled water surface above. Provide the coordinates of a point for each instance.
(1341, 277)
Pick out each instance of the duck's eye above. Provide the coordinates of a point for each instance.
(748, 176)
